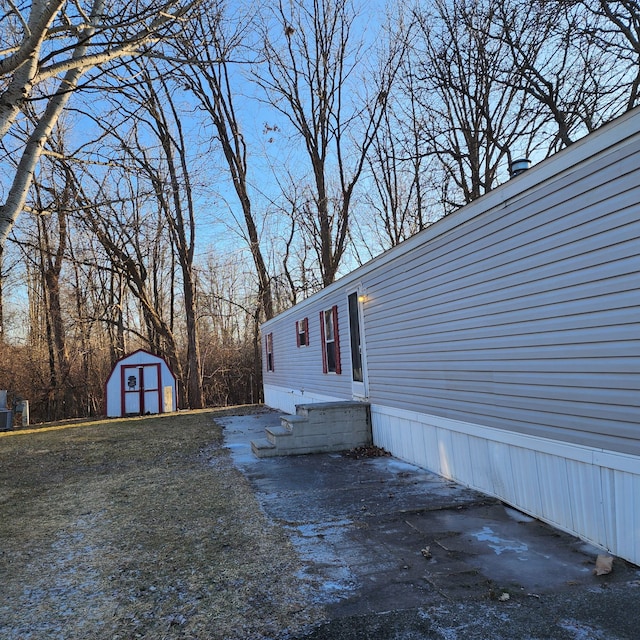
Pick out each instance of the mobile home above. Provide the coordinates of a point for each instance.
(500, 347)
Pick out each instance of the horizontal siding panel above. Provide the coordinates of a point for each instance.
(591, 382)
(495, 228)
(606, 297)
(543, 409)
(486, 272)
(528, 416)
(458, 353)
(533, 320)
(552, 388)
(545, 405)
(591, 366)
(575, 278)
(484, 256)
(410, 340)
(604, 177)
(605, 440)
(478, 340)
(581, 217)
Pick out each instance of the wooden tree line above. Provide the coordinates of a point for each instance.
(174, 172)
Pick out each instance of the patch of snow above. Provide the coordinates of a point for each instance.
(454, 624)
(581, 631)
(591, 549)
(500, 545)
(397, 466)
(324, 551)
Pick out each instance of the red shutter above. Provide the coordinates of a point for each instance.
(306, 330)
(323, 344)
(297, 334)
(336, 335)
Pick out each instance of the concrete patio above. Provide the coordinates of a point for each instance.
(393, 551)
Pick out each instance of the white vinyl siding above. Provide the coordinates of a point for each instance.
(302, 369)
(520, 312)
(524, 318)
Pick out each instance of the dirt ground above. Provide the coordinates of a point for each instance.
(139, 528)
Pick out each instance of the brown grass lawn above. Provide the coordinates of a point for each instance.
(138, 528)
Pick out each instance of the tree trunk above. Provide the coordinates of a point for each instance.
(23, 179)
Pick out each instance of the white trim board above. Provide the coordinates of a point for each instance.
(286, 399)
(580, 453)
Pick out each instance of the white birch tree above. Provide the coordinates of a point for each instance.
(48, 46)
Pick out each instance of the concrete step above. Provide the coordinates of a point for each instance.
(263, 448)
(323, 427)
(275, 433)
(289, 422)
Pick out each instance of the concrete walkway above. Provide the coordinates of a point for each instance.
(393, 551)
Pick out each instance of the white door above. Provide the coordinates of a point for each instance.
(141, 389)
(359, 385)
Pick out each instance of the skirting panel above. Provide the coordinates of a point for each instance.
(591, 493)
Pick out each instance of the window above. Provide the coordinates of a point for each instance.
(330, 341)
(302, 333)
(269, 348)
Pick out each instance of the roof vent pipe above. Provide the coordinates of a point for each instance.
(519, 166)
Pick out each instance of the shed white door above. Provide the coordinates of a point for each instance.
(141, 389)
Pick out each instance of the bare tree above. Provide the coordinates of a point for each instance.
(51, 260)
(45, 245)
(472, 118)
(3, 279)
(55, 42)
(214, 43)
(552, 56)
(228, 313)
(399, 159)
(165, 166)
(126, 254)
(397, 172)
(313, 56)
(616, 32)
(299, 279)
